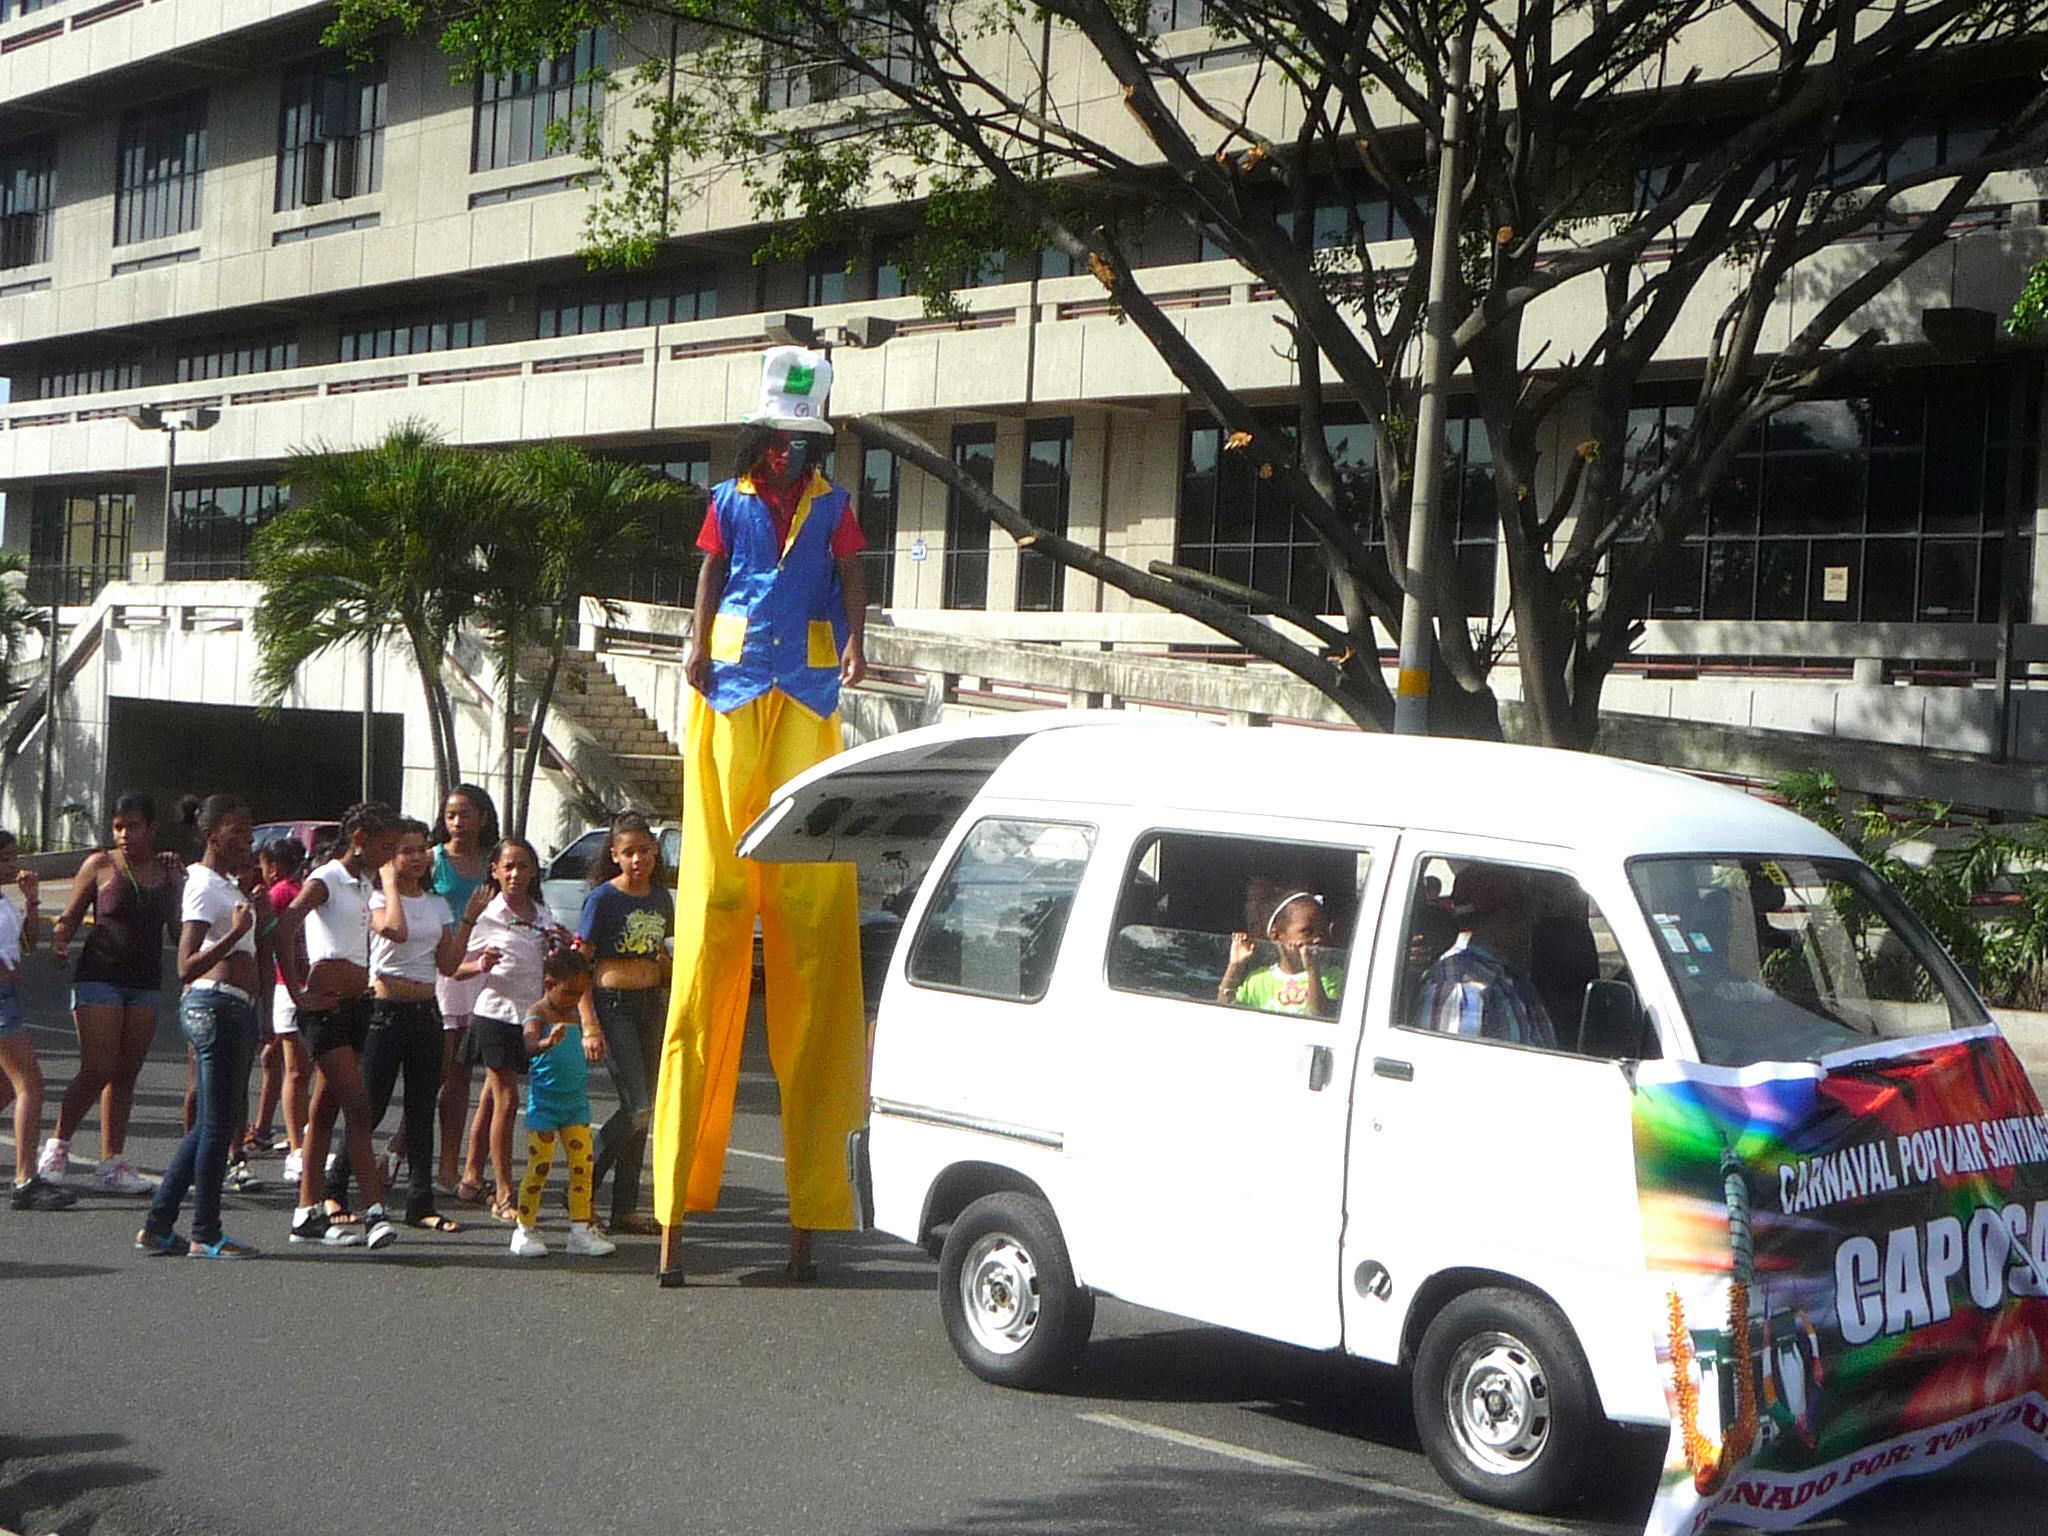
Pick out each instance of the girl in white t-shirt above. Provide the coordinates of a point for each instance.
(507, 948)
(330, 984)
(414, 942)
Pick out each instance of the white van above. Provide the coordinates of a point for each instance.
(1432, 1163)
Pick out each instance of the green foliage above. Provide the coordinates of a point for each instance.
(19, 618)
(2005, 944)
(2031, 307)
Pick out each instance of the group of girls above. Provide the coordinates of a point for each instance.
(406, 952)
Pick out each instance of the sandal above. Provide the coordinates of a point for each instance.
(434, 1221)
(506, 1211)
(225, 1248)
(470, 1191)
(637, 1225)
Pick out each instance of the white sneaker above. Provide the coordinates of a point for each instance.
(118, 1176)
(526, 1243)
(586, 1242)
(294, 1167)
(54, 1164)
(378, 1232)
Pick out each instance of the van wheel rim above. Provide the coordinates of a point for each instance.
(999, 1294)
(1498, 1398)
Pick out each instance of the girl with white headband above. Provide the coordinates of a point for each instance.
(1298, 981)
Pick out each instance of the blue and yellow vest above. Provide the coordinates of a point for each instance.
(782, 621)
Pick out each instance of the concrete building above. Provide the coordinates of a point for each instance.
(203, 209)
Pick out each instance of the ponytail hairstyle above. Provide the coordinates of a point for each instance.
(605, 865)
(367, 819)
(498, 851)
(288, 854)
(215, 809)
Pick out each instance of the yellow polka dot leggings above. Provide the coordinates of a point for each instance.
(540, 1157)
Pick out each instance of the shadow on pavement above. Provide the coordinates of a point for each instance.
(48, 1482)
(12, 1270)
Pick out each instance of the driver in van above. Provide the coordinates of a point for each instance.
(1481, 987)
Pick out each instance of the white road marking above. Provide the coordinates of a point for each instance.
(759, 1157)
(1438, 1501)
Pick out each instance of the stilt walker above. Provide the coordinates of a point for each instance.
(781, 605)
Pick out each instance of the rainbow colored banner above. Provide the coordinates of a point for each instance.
(1853, 1258)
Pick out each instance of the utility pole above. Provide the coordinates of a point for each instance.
(369, 710)
(1418, 638)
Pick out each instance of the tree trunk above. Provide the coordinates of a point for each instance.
(537, 722)
(428, 665)
(508, 680)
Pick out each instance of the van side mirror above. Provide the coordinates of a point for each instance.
(1611, 1022)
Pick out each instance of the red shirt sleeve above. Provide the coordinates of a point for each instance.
(847, 539)
(709, 537)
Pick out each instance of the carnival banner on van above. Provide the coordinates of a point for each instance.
(1853, 1261)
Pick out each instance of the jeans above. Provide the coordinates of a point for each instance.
(633, 1024)
(222, 1033)
(404, 1036)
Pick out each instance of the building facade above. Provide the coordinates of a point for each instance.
(201, 207)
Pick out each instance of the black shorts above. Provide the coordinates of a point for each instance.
(498, 1045)
(347, 1025)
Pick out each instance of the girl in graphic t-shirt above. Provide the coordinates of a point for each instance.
(1298, 981)
(462, 863)
(330, 984)
(627, 919)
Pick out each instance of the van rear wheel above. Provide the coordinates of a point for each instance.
(1007, 1292)
(1504, 1402)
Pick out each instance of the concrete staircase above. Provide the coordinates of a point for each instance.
(648, 760)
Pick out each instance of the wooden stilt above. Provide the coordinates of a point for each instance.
(671, 1272)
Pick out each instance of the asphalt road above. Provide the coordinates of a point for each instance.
(444, 1388)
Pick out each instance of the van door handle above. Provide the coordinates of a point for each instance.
(1320, 1064)
(1399, 1071)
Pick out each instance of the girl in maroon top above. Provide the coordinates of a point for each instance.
(287, 1069)
(134, 893)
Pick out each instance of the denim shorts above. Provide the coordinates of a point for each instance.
(10, 1012)
(104, 994)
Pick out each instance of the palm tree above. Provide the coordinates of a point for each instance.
(560, 520)
(374, 537)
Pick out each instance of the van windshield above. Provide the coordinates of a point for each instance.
(1781, 958)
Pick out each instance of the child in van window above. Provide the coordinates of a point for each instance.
(1298, 981)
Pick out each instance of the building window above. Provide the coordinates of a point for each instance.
(881, 490)
(78, 541)
(825, 277)
(1048, 484)
(665, 569)
(400, 333)
(55, 380)
(802, 76)
(330, 133)
(966, 559)
(624, 303)
(531, 113)
(1235, 525)
(1885, 507)
(161, 167)
(210, 528)
(28, 184)
(264, 352)
(1163, 16)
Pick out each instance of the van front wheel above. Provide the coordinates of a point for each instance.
(1007, 1292)
(1504, 1402)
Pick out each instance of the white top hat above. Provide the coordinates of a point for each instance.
(795, 384)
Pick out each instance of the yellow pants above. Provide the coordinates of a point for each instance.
(540, 1157)
(810, 937)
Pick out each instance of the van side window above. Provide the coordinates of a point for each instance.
(994, 924)
(1511, 953)
(1246, 922)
